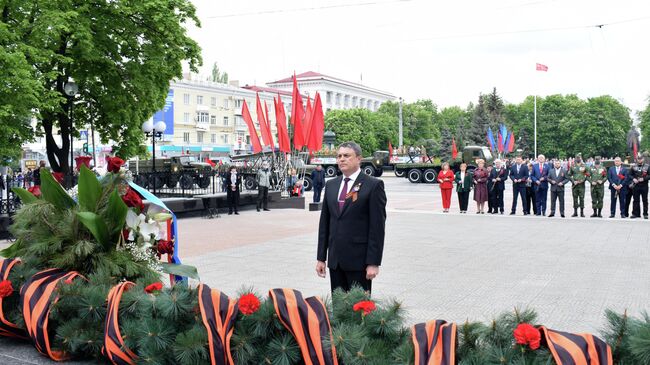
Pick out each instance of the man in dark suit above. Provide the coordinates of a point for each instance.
(617, 175)
(351, 230)
(519, 175)
(498, 177)
(233, 184)
(558, 179)
(540, 184)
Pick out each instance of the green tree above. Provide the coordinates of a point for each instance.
(217, 75)
(477, 133)
(353, 125)
(604, 127)
(455, 120)
(121, 54)
(644, 126)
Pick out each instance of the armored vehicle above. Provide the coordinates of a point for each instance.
(171, 171)
(428, 172)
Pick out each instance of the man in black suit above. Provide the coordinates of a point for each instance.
(617, 176)
(233, 184)
(352, 222)
(498, 177)
(557, 177)
(519, 175)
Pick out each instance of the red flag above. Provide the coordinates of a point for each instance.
(317, 127)
(281, 124)
(268, 126)
(540, 67)
(306, 122)
(207, 159)
(635, 149)
(390, 150)
(264, 126)
(454, 150)
(255, 141)
(500, 143)
(297, 113)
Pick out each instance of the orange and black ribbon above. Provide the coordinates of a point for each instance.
(309, 324)
(114, 348)
(435, 343)
(219, 314)
(36, 296)
(7, 328)
(577, 349)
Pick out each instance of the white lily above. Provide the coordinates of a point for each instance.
(148, 229)
(132, 219)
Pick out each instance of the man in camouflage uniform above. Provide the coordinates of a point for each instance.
(578, 175)
(597, 178)
(639, 186)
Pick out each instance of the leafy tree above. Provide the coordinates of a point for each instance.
(455, 120)
(217, 75)
(121, 54)
(604, 128)
(644, 126)
(477, 132)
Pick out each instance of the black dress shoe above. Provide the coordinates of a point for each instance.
(634, 216)
(551, 215)
(258, 209)
(267, 210)
(229, 213)
(512, 213)
(612, 216)
(645, 217)
(236, 213)
(562, 215)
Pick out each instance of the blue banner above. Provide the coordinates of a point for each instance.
(167, 114)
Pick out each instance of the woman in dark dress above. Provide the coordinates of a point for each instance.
(463, 181)
(480, 186)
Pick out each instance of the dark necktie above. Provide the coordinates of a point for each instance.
(344, 192)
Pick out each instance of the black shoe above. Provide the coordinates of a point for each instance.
(612, 216)
(229, 213)
(634, 216)
(236, 213)
(562, 215)
(582, 213)
(594, 215)
(623, 216)
(267, 210)
(258, 209)
(551, 215)
(645, 216)
(512, 213)
(501, 213)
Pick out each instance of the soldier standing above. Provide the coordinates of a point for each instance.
(578, 175)
(639, 187)
(597, 178)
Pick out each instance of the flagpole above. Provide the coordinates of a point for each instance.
(535, 124)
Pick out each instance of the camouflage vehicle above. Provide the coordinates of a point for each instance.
(373, 165)
(428, 172)
(171, 171)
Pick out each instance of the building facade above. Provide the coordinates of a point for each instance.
(335, 93)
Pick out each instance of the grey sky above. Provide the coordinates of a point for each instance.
(448, 51)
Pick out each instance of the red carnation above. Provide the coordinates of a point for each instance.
(249, 304)
(132, 199)
(621, 176)
(58, 176)
(165, 247)
(114, 164)
(36, 190)
(5, 288)
(153, 287)
(366, 306)
(82, 160)
(525, 334)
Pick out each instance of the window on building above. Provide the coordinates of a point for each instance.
(199, 100)
(329, 97)
(338, 99)
(213, 138)
(199, 137)
(240, 137)
(186, 137)
(186, 99)
(226, 103)
(239, 120)
(203, 117)
(225, 121)
(186, 117)
(213, 101)
(238, 103)
(213, 119)
(225, 138)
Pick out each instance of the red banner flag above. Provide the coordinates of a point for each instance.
(454, 149)
(540, 67)
(264, 126)
(281, 125)
(268, 126)
(297, 114)
(255, 140)
(207, 160)
(317, 127)
(306, 122)
(390, 151)
(635, 149)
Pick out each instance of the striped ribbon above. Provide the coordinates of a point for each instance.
(114, 348)
(219, 314)
(577, 349)
(309, 324)
(434, 342)
(36, 297)
(8, 329)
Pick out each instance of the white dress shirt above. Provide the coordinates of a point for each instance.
(353, 178)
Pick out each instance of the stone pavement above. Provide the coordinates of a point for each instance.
(442, 266)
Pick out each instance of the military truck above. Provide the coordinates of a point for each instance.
(373, 165)
(428, 172)
(172, 171)
(249, 164)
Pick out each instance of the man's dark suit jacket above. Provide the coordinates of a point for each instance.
(230, 183)
(614, 179)
(522, 175)
(562, 178)
(353, 238)
(501, 174)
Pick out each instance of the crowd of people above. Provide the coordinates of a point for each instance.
(532, 181)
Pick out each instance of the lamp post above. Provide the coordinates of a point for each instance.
(401, 138)
(154, 131)
(70, 89)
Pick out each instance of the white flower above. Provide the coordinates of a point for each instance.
(132, 219)
(148, 229)
(161, 217)
(131, 235)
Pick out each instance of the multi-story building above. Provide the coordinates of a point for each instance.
(335, 93)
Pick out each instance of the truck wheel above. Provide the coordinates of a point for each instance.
(203, 182)
(187, 182)
(399, 173)
(249, 183)
(415, 176)
(379, 172)
(173, 181)
(141, 180)
(307, 183)
(330, 171)
(368, 170)
(430, 176)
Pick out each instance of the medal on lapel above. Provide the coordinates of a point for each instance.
(353, 193)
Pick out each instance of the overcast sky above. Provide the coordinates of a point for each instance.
(448, 51)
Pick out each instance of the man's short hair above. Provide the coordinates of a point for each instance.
(352, 145)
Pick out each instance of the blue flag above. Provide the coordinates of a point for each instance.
(490, 137)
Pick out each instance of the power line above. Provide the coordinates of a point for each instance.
(311, 8)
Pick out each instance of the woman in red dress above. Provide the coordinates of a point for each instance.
(446, 180)
(480, 186)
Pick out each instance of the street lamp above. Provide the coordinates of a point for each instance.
(70, 89)
(154, 131)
